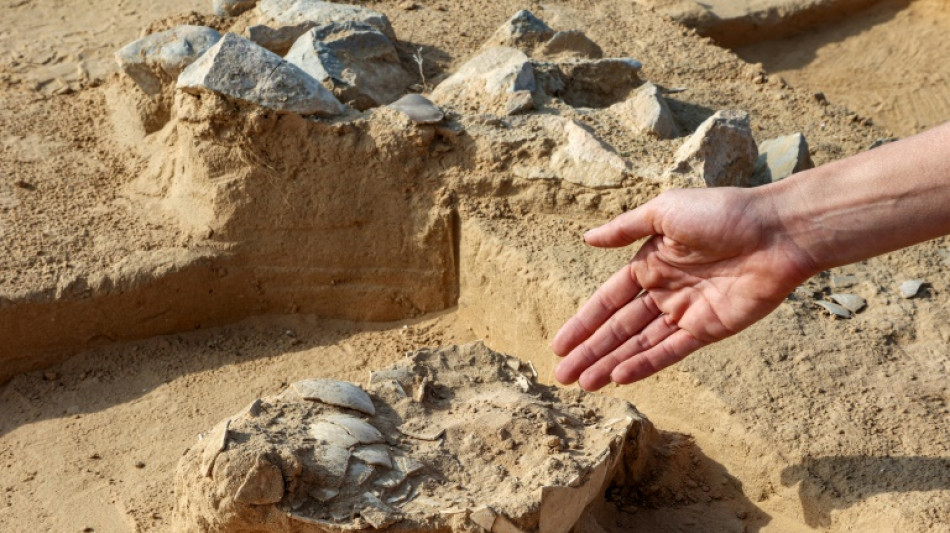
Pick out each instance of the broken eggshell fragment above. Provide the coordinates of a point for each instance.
(334, 392)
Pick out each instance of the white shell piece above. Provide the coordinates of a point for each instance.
(357, 427)
(358, 473)
(391, 479)
(324, 494)
(834, 309)
(374, 455)
(407, 465)
(334, 392)
(910, 288)
(484, 517)
(330, 433)
(334, 460)
(217, 442)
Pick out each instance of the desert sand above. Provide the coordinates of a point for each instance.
(137, 313)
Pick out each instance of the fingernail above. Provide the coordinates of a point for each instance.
(587, 234)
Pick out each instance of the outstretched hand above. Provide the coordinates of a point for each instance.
(716, 261)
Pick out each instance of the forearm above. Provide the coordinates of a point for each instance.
(868, 204)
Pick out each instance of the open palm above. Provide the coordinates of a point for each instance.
(716, 261)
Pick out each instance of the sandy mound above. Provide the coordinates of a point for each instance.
(447, 440)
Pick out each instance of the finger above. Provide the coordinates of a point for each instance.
(611, 296)
(676, 347)
(599, 374)
(625, 229)
(623, 325)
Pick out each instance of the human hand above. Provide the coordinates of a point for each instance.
(716, 261)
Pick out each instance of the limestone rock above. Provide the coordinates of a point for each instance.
(519, 102)
(238, 68)
(356, 60)
(231, 8)
(570, 43)
(580, 157)
(284, 21)
(274, 476)
(646, 112)
(485, 82)
(419, 109)
(590, 82)
(721, 153)
(523, 31)
(781, 157)
(157, 59)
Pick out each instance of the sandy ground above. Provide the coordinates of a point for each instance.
(801, 423)
(886, 63)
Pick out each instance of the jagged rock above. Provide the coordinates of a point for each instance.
(485, 82)
(275, 477)
(519, 102)
(523, 31)
(781, 157)
(357, 61)
(580, 157)
(157, 59)
(419, 109)
(646, 112)
(570, 43)
(722, 152)
(238, 68)
(284, 21)
(589, 82)
(231, 8)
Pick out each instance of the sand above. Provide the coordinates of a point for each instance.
(800, 423)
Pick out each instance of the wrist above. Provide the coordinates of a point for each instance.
(789, 224)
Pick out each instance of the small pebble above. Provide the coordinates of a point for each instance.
(139, 464)
(911, 288)
(50, 376)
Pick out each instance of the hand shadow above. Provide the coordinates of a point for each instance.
(839, 482)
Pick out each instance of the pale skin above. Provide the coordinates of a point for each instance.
(717, 260)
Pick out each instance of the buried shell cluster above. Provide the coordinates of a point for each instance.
(456, 439)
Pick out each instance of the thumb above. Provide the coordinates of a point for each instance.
(626, 228)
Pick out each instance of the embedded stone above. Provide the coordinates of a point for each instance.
(589, 82)
(156, 60)
(264, 484)
(239, 69)
(356, 60)
(580, 158)
(646, 112)
(284, 21)
(571, 43)
(519, 102)
(231, 8)
(334, 392)
(781, 157)
(523, 30)
(419, 109)
(486, 80)
(721, 153)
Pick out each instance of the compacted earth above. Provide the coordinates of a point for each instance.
(169, 258)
